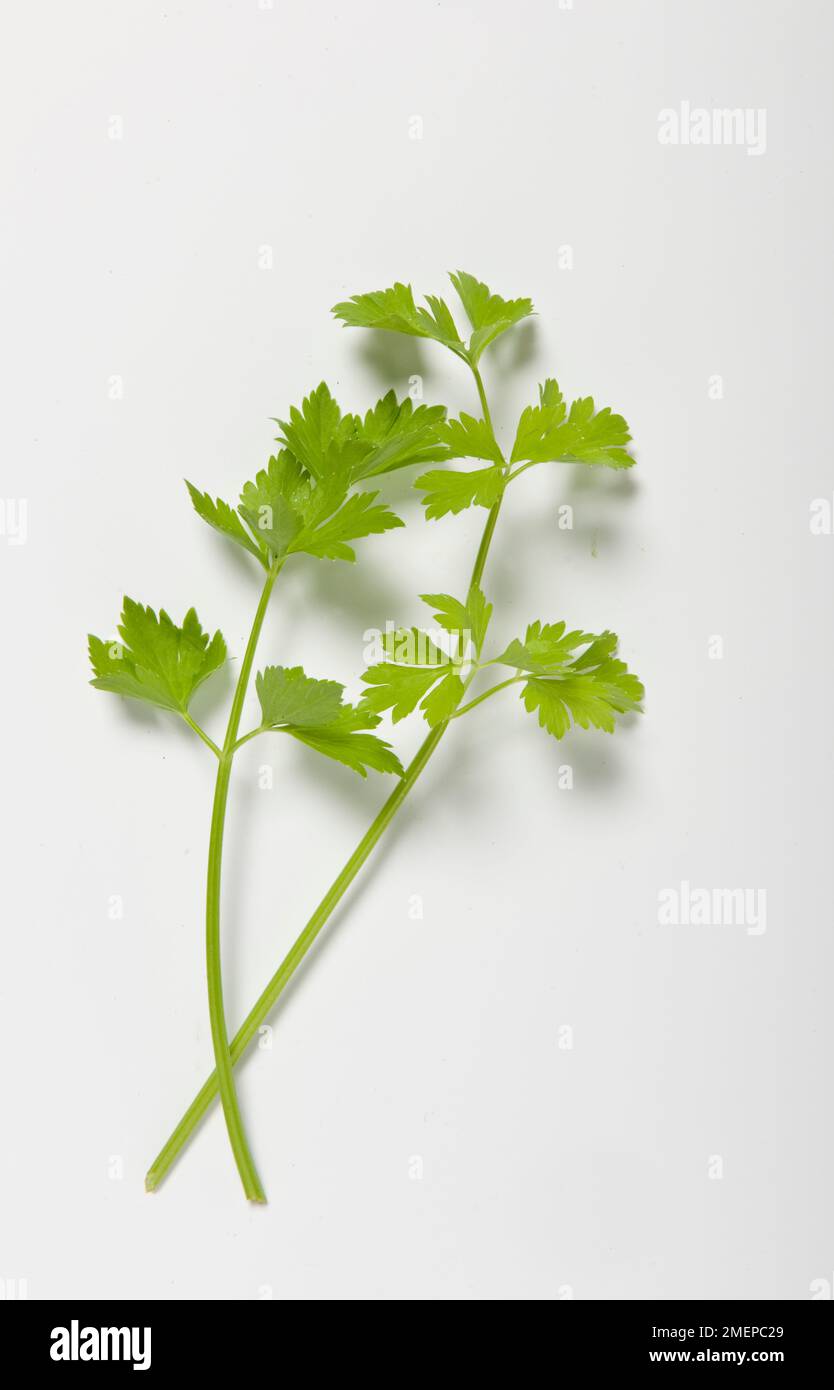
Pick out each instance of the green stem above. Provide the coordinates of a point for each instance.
(492, 519)
(253, 733)
(219, 1035)
(264, 1005)
(493, 690)
(295, 955)
(482, 397)
(201, 733)
(523, 469)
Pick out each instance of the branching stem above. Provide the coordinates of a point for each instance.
(225, 1056)
(201, 733)
(493, 690)
(253, 733)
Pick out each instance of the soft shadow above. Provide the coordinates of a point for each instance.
(337, 784)
(599, 528)
(393, 836)
(210, 698)
(514, 350)
(598, 769)
(213, 696)
(147, 716)
(245, 566)
(620, 484)
(358, 596)
(597, 764)
(394, 357)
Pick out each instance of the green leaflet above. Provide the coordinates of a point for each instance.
(224, 519)
(415, 671)
(397, 436)
(451, 613)
(313, 712)
(450, 491)
(411, 646)
(156, 661)
(573, 676)
(398, 688)
(590, 700)
(443, 700)
(537, 420)
(347, 448)
(395, 309)
(478, 613)
(357, 751)
(275, 505)
(548, 433)
(288, 696)
(358, 517)
(320, 437)
(458, 618)
(488, 313)
(547, 646)
(549, 393)
(467, 437)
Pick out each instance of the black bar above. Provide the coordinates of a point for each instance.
(67, 1336)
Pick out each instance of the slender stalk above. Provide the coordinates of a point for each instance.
(201, 733)
(295, 955)
(219, 1035)
(516, 473)
(482, 397)
(493, 690)
(492, 519)
(253, 733)
(264, 1005)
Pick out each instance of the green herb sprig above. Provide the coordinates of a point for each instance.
(307, 501)
(566, 677)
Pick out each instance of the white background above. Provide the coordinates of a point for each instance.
(545, 1170)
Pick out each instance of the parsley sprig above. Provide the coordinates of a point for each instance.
(308, 501)
(568, 677)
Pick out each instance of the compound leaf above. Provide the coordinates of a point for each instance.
(573, 676)
(416, 671)
(546, 435)
(156, 661)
